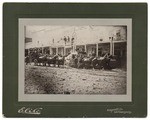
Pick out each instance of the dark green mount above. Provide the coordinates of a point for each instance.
(13, 11)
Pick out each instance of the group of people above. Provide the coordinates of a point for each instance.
(80, 59)
(31, 56)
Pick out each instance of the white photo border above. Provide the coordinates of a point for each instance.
(22, 97)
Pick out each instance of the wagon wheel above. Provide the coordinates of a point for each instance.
(96, 66)
(44, 63)
(35, 62)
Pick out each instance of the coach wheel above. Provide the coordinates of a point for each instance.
(35, 62)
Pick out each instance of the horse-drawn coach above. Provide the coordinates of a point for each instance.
(75, 60)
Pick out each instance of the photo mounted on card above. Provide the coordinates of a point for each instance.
(75, 60)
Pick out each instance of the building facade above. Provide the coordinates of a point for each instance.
(65, 39)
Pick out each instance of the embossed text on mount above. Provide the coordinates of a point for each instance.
(35, 111)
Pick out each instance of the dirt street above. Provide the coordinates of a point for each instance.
(53, 80)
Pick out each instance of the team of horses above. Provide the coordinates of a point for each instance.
(77, 61)
(49, 60)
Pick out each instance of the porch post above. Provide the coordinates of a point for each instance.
(111, 46)
(28, 51)
(50, 50)
(97, 50)
(56, 50)
(42, 50)
(85, 48)
(64, 50)
(75, 47)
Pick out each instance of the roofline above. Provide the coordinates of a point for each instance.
(102, 42)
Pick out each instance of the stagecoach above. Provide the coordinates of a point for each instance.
(77, 60)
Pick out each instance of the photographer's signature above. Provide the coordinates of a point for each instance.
(35, 111)
(118, 110)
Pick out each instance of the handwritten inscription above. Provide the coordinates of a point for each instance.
(35, 111)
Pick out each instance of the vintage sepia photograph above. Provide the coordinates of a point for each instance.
(75, 59)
